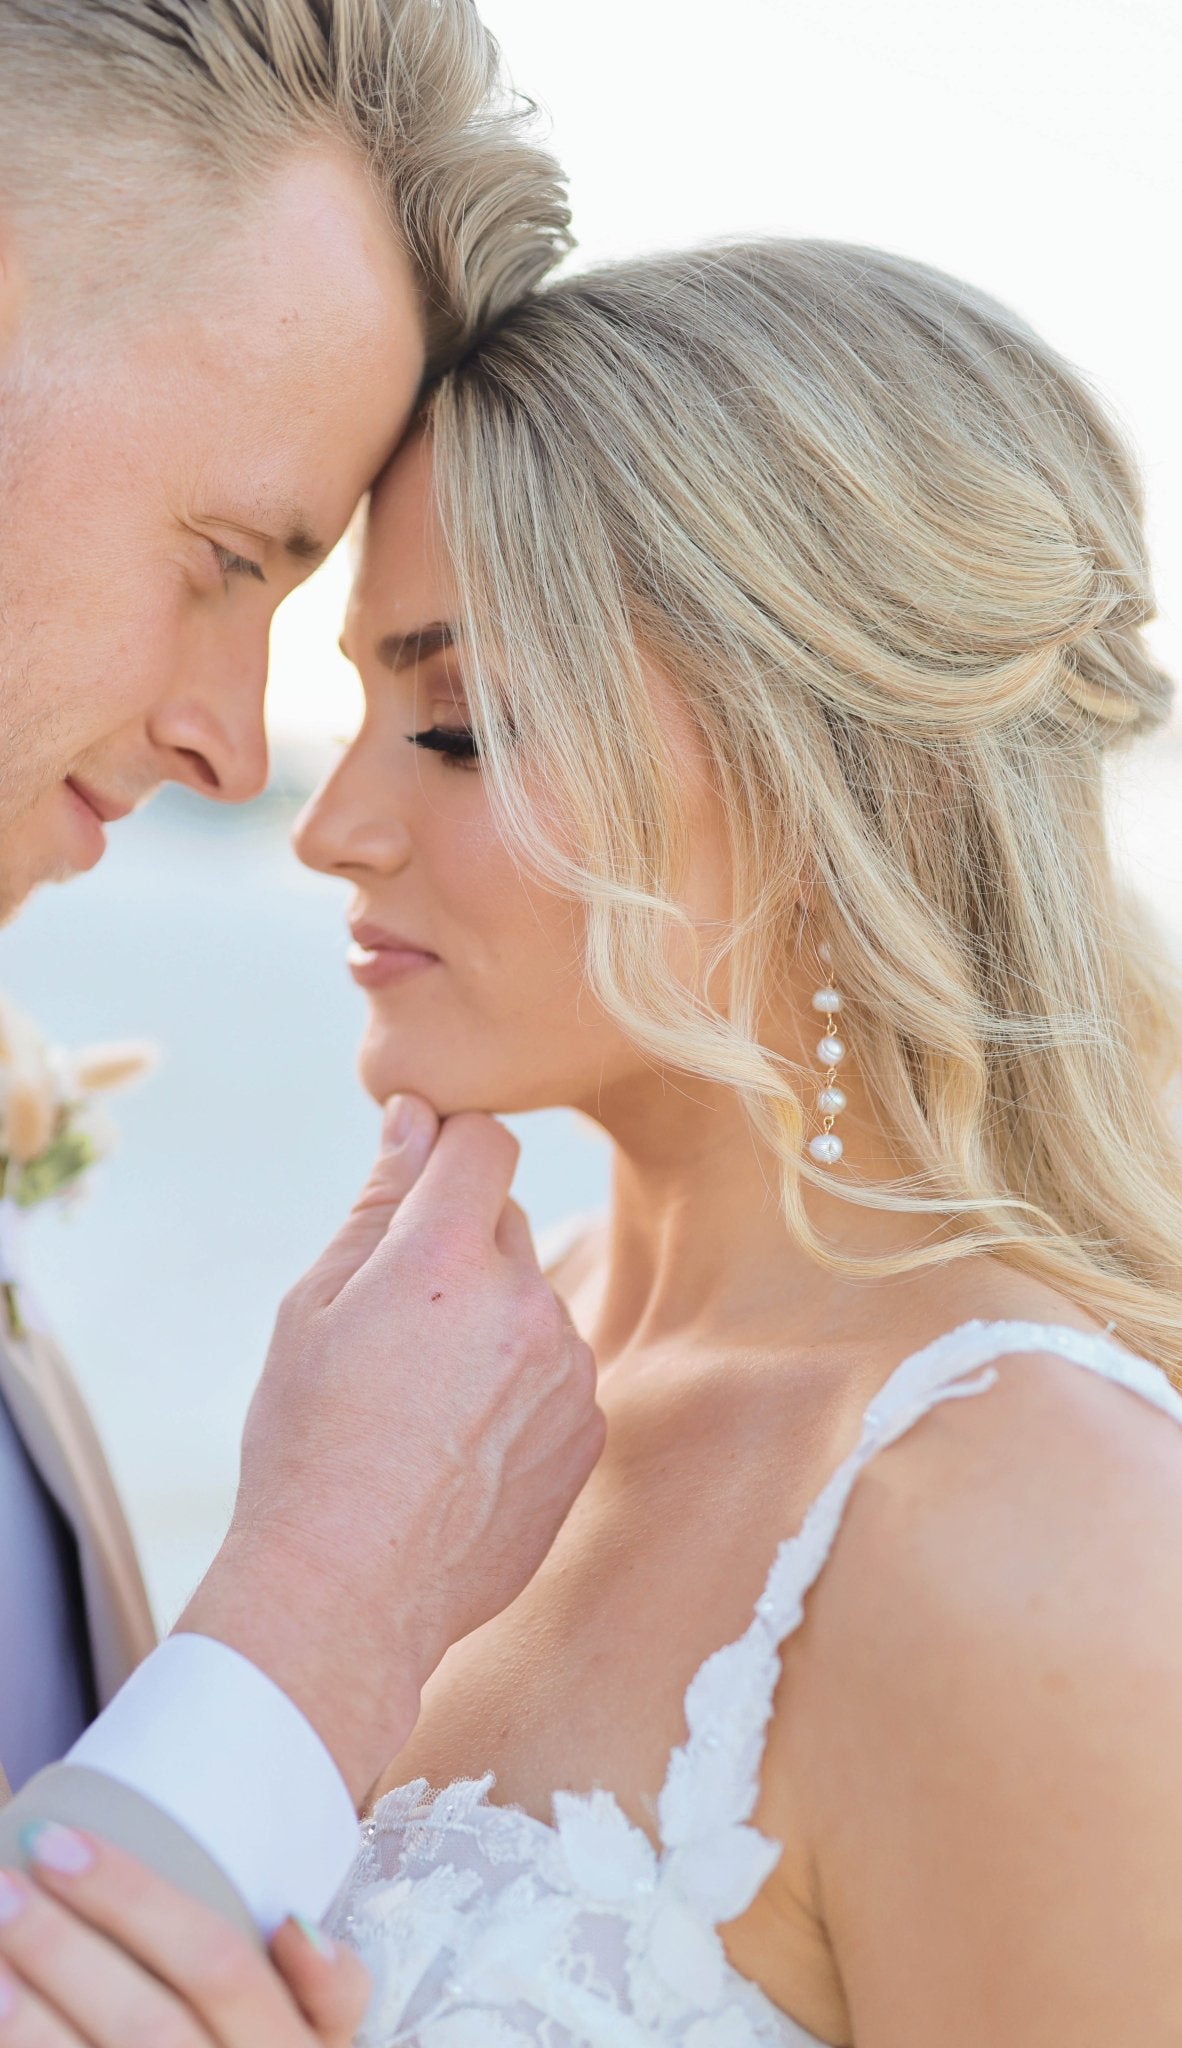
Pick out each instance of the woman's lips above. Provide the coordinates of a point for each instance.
(380, 965)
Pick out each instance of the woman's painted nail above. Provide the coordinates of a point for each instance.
(8, 1996)
(53, 1847)
(14, 1897)
(315, 1937)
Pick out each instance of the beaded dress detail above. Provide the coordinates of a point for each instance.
(485, 1927)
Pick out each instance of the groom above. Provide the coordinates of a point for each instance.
(234, 237)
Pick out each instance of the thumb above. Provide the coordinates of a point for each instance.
(409, 1130)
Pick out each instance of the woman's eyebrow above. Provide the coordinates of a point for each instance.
(403, 650)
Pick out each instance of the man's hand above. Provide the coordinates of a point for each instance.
(97, 1951)
(424, 1421)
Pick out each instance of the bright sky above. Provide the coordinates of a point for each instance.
(1027, 145)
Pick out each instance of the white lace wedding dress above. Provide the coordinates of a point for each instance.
(487, 1928)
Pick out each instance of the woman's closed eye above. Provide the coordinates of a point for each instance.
(456, 743)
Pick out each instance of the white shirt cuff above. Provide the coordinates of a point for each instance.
(211, 1741)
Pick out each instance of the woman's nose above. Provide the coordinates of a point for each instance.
(351, 823)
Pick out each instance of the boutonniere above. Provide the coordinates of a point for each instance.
(53, 1128)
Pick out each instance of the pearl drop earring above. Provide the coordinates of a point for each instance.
(826, 1148)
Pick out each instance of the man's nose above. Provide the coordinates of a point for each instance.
(212, 731)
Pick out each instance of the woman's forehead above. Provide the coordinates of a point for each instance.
(403, 571)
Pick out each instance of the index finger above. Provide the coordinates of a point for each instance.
(466, 1179)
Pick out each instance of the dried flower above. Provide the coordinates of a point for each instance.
(52, 1130)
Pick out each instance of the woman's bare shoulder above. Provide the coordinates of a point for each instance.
(985, 1696)
(1053, 1473)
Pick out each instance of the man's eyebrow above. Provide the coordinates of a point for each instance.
(398, 651)
(304, 546)
(293, 534)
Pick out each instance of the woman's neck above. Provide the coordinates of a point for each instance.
(698, 1249)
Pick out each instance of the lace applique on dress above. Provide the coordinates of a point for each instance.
(485, 1927)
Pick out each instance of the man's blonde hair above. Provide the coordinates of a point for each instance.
(206, 95)
(887, 545)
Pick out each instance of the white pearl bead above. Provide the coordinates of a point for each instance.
(824, 952)
(827, 1001)
(831, 1101)
(826, 1149)
(830, 1051)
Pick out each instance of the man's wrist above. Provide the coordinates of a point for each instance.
(290, 1618)
(206, 1741)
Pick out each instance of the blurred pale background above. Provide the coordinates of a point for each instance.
(1028, 146)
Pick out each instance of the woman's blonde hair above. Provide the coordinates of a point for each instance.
(888, 546)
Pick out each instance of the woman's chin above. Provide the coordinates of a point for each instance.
(381, 1077)
(507, 1089)
(381, 1082)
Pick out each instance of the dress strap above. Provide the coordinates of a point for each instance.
(712, 1783)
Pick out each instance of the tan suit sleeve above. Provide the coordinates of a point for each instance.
(40, 1394)
(82, 1798)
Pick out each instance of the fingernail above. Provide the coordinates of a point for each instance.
(8, 1996)
(397, 1120)
(315, 1937)
(13, 1898)
(56, 1848)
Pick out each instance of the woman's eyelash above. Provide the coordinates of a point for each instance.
(454, 742)
(231, 564)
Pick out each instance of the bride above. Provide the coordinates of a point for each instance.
(742, 634)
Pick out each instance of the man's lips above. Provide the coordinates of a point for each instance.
(106, 809)
(378, 958)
